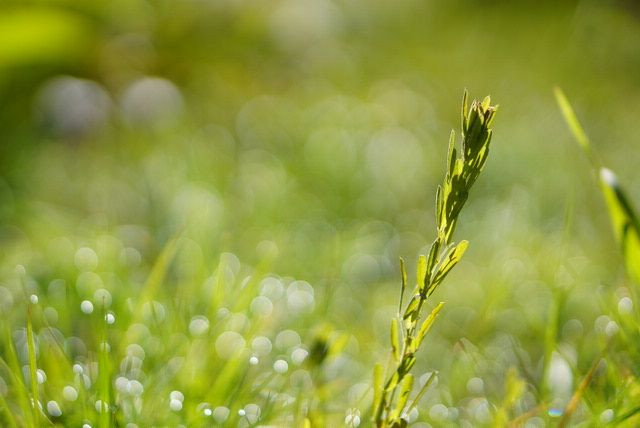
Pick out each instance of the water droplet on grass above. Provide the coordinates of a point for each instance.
(86, 307)
(625, 306)
(280, 366)
(199, 325)
(229, 344)
(261, 345)
(54, 409)
(86, 259)
(175, 405)
(69, 393)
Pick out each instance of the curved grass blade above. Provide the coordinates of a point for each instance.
(626, 226)
(33, 369)
(624, 221)
(574, 125)
(577, 395)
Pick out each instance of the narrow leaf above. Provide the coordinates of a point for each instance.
(403, 271)
(573, 123)
(378, 379)
(393, 382)
(486, 102)
(433, 255)
(12, 366)
(439, 204)
(577, 395)
(414, 303)
(623, 218)
(104, 374)
(421, 274)
(624, 221)
(451, 257)
(4, 407)
(33, 369)
(155, 279)
(427, 323)
(627, 415)
(395, 340)
(424, 388)
(452, 154)
(405, 390)
(465, 109)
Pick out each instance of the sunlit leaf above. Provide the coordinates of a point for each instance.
(403, 272)
(395, 341)
(626, 227)
(378, 379)
(624, 221)
(405, 390)
(427, 323)
(573, 122)
(450, 258)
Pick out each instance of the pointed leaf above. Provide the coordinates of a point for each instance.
(465, 109)
(573, 122)
(439, 204)
(448, 261)
(433, 254)
(33, 369)
(424, 388)
(410, 313)
(421, 273)
(486, 102)
(427, 323)
(452, 154)
(378, 374)
(395, 340)
(393, 382)
(405, 390)
(624, 221)
(403, 271)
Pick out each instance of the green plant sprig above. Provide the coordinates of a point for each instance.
(462, 171)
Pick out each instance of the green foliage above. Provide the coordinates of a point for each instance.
(462, 172)
(624, 220)
(213, 153)
(626, 230)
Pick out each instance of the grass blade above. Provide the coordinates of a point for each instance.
(624, 221)
(33, 369)
(12, 368)
(424, 388)
(631, 413)
(378, 380)
(577, 395)
(7, 412)
(104, 375)
(574, 124)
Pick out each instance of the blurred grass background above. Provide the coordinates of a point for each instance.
(307, 137)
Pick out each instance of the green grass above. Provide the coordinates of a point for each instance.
(262, 190)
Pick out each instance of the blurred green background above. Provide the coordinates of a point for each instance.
(308, 137)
